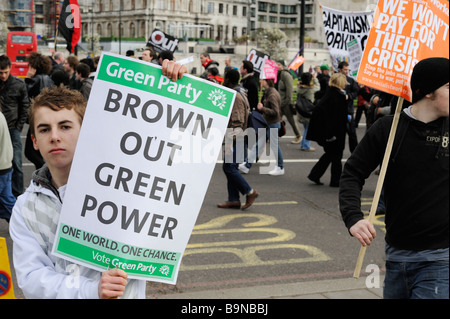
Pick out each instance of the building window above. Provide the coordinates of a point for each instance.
(220, 7)
(39, 9)
(39, 20)
(210, 7)
(142, 29)
(262, 6)
(99, 29)
(235, 10)
(288, 9)
(132, 30)
(288, 20)
(85, 28)
(273, 19)
(109, 30)
(273, 8)
(244, 11)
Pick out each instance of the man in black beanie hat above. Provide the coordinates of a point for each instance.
(416, 188)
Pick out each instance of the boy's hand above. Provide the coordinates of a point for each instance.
(112, 284)
(173, 70)
(364, 231)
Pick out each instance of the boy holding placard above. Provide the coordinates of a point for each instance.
(416, 188)
(55, 122)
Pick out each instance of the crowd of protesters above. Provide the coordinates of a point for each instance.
(334, 96)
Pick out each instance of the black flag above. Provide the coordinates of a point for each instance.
(70, 23)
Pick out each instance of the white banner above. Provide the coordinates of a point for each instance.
(137, 182)
(341, 28)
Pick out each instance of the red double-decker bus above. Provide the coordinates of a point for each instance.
(19, 45)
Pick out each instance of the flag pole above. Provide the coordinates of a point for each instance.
(381, 177)
(56, 23)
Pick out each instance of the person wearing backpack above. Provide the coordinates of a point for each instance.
(37, 79)
(236, 184)
(285, 88)
(82, 75)
(307, 87)
(328, 127)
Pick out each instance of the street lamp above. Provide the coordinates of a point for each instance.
(302, 31)
(120, 27)
(92, 27)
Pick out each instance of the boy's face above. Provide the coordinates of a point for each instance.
(56, 135)
(67, 66)
(4, 74)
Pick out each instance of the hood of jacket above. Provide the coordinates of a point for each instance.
(42, 179)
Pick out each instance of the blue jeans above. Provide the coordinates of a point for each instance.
(17, 176)
(416, 280)
(7, 199)
(274, 146)
(305, 144)
(235, 182)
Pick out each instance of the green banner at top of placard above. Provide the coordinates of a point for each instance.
(149, 78)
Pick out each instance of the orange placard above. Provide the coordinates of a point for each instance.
(298, 61)
(403, 33)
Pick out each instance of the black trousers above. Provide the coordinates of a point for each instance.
(333, 155)
(351, 132)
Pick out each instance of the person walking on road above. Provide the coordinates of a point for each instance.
(7, 199)
(236, 126)
(328, 126)
(307, 87)
(14, 102)
(250, 83)
(285, 87)
(416, 188)
(351, 93)
(270, 107)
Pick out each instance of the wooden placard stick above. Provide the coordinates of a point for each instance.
(381, 177)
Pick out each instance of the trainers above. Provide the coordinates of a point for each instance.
(297, 140)
(311, 149)
(277, 171)
(243, 169)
